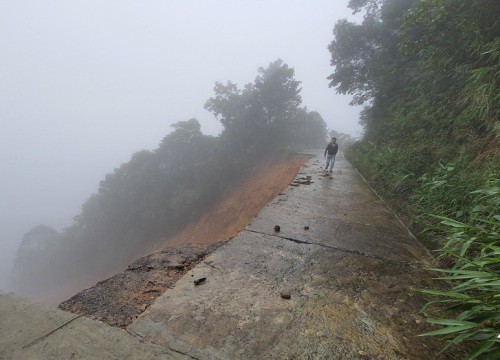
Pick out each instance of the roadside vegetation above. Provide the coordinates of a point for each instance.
(428, 75)
(158, 192)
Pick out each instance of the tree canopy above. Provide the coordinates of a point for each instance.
(421, 68)
(266, 114)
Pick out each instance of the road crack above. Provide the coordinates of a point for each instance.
(333, 248)
(51, 332)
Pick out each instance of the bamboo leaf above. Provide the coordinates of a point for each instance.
(449, 294)
(480, 349)
(448, 330)
(450, 322)
(454, 223)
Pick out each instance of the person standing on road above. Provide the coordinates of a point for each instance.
(331, 150)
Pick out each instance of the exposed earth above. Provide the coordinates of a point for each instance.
(242, 203)
(121, 298)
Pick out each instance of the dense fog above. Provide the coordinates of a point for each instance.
(85, 84)
(128, 126)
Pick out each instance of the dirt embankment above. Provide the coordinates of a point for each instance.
(240, 204)
(124, 296)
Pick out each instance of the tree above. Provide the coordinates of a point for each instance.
(263, 115)
(39, 240)
(456, 47)
(310, 130)
(428, 74)
(277, 93)
(35, 256)
(366, 59)
(226, 104)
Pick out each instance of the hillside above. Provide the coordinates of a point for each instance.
(428, 76)
(119, 299)
(155, 195)
(338, 281)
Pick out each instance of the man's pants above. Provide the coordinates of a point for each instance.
(330, 160)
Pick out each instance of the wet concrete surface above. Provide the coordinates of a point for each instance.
(351, 278)
(29, 331)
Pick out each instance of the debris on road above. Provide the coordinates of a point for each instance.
(200, 281)
(285, 294)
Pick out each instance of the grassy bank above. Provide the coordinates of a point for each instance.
(454, 204)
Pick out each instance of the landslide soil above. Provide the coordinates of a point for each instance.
(121, 298)
(242, 203)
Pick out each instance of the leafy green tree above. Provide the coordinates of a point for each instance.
(265, 115)
(277, 93)
(39, 239)
(428, 75)
(456, 47)
(310, 130)
(367, 62)
(227, 104)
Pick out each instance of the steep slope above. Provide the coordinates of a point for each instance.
(241, 203)
(122, 297)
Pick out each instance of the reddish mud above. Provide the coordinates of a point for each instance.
(241, 204)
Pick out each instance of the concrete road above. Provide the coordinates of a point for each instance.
(338, 281)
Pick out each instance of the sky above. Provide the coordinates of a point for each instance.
(86, 83)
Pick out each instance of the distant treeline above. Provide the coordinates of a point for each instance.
(428, 75)
(158, 192)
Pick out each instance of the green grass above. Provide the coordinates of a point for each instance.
(458, 206)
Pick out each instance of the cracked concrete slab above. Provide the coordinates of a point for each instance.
(352, 280)
(341, 212)
(30, 331)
